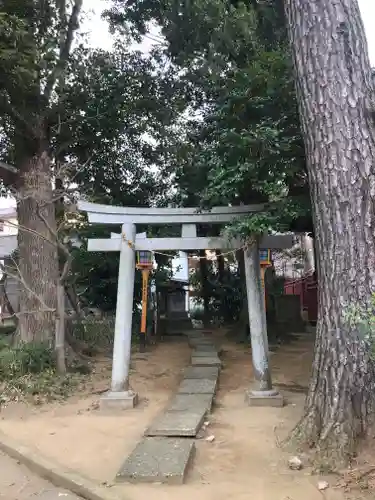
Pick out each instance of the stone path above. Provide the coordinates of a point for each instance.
(18, 483)
(167, 449)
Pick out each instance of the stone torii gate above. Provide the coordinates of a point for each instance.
(128, 242)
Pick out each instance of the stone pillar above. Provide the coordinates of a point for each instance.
(263, 394)
(120, 395)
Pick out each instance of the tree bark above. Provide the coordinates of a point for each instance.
(38, 260)
(60, 331)
(334, 89)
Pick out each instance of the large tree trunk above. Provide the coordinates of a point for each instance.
(334, 89)
(38, 262)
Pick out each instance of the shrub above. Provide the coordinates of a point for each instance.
(99, 333)
(95, 332)
(197, 313)
(25, 359)
(28, 372)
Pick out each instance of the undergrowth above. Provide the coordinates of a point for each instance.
(97, 333)
(28, 372)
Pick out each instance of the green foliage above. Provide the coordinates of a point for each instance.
(40, 387)
(197, 312)
(97, 333)
(28, 372)
(25, 359)
(95, 275)
(225, 295)
(245, 144)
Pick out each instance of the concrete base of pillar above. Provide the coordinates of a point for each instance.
(264, 398)
(119, 400)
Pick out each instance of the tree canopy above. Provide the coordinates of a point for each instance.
(241, 140)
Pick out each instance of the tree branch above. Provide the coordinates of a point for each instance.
(9, 168)
(5, 302)
(19, 278)
(65, 45)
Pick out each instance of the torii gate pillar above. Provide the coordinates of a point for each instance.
(262, 394)
(121, 396)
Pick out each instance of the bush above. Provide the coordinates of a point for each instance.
(40, 387)
(25, 359)
(95, 332)
(99, 333)
(197, 313)
(28, 372)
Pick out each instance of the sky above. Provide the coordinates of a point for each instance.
(101, 38)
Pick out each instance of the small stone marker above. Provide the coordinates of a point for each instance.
(186, 402)
(178, 423)
(162, 460)
(205, 361)
(209, 372)
(197, 386)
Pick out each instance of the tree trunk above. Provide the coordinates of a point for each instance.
(60, 330)
(334, 88)
(38, 262)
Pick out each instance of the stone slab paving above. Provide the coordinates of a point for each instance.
(162, 460)
(208, 372)
(205, 347)
(178, 423)
(204, 354)
(205, 361)
(162, 456)
(197, 386)
(186, 402)
(200, 341)
(195, 335)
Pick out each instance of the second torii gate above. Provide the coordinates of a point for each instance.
(128, 242)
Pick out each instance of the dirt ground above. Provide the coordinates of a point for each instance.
(244, 461)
